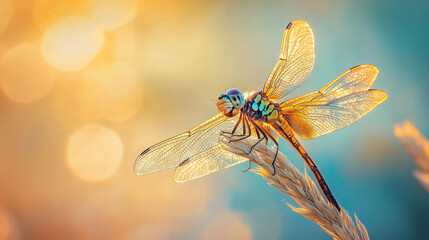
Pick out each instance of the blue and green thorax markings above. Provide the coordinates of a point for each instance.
(262, 108)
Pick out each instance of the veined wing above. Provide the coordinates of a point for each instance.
(204, 163)
(213, 159)
(295, 63)
(339, 104)
(173, 151)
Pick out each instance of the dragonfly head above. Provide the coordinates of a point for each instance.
(231, 102)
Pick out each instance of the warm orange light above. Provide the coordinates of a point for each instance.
(24, 76)
(112, 91)
(94, 153)
(228, 225)
(72, 43)
(112, 13)
(125, 43)
(183, 49)
(48, 12)
(247, 94)
(4, 225)
(6, 12)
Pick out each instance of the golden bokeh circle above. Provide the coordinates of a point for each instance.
(72, 43)
(94, 153)
(112, 91)
(111, 14)
(24, 75)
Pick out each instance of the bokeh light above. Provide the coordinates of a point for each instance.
(6, 12)
(125, 43)
(112, 13)
(48, 12)
(24, 76)
(112, 90)
(94, 153)
(228, 225)
(72, 43)
(143, 71)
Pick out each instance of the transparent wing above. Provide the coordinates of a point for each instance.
(173, 151)
(211, 160)
(337, 105)
(296, 61)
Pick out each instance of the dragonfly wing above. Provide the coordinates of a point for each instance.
(295, 63)
(337, 105)
(211, 160)
(173, 151)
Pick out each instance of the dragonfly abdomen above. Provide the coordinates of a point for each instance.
(285, 130)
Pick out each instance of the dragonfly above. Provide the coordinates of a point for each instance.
(262, 115)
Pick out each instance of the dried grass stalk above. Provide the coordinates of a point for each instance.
(301, 188)
(418, 146)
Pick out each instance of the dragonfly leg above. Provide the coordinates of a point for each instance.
(254, 145)
(257, 132)
(266, 136)
(235, 127)
(277, 151)
(238, 123)
(244, 125)
(258, 129)
(247, 125)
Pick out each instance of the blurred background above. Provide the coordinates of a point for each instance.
(86, 85)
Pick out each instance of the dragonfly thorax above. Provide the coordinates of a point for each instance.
(260, 108)
(231, 102)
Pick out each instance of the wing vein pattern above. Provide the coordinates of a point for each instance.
(339, 104)
(204, 163)
(295, 63)
(173, 151)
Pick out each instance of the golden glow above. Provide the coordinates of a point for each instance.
(4, 225)
(112, 14)
(94, 153)
(247, 94)
(6, 12)
(183, 49)
(72, 43)
(24, 76)
(181, 52)
(125, 43)
(228, 225)
(48, 12)
(112, 91)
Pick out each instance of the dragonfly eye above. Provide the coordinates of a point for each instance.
(236, 98)
(231, 102)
